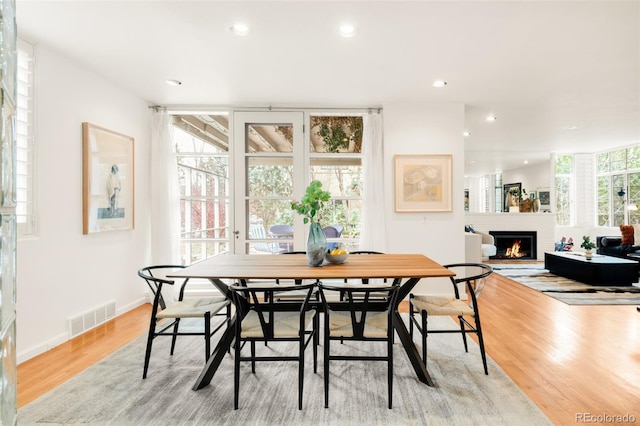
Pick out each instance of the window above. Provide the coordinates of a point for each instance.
(209, 210)
(563, 188)
(336, 161)
(497, 193)
(25, 206)
(618, 185)
(202, 150)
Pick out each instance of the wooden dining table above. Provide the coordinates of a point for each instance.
(410, 268)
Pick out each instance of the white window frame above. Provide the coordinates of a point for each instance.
(25, 141)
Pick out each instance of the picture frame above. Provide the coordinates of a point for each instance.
(423, 183)
(107, 180)
(544, 195)
(506, 197)
(533, 195)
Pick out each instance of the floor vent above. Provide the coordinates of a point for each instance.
(87, 320)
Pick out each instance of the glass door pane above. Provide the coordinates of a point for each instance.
(270, 155)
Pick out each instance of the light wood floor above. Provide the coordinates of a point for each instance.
(569, 360)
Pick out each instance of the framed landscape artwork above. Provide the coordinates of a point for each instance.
(108, 172)
(507, 198)
(423, 183)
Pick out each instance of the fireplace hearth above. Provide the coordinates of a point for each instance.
(515, 245)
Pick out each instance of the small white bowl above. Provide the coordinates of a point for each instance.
(338, 258)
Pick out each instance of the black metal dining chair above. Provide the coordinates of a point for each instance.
(474, 276)
(168, 316)
(265, 314)
(359, 317)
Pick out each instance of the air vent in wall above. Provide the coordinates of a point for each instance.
(87, 320)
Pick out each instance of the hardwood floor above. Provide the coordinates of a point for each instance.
(570, 360)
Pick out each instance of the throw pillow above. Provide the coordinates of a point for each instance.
(469, 228)
(627, 235)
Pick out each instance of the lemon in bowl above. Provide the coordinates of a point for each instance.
(337, 255)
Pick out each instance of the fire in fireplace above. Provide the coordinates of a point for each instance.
(513, 245)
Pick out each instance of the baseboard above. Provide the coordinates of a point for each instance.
(65, 337)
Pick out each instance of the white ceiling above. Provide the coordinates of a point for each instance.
(540, 66)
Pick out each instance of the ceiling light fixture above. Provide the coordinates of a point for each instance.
(240, 29)
(347, 30)
(492, 118)
(174, 82)
(466, 133)
(439, 83)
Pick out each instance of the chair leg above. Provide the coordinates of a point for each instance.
(253, 356)
(236, 373)
(326, 364)
(464, 335)
(175, 334)
(316, 342)
(301, 369)
(147, 355)
(481, 344)
(390, 368)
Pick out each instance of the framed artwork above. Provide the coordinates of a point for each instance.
(544, 194)
(532, 195)
(507, 198)
(108, 172)
(423, 183)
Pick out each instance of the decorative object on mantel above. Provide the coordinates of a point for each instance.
(311, 204)
(587, 245)
(513, 196)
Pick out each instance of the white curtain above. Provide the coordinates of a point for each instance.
(164, 197)
(373, 234)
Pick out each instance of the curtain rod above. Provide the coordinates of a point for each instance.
(254, 108)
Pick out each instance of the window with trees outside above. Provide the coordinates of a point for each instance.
(618, 185)
(333, 155)
(202, 150)
(563, 188)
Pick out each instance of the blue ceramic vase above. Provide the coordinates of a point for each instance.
(316, 245)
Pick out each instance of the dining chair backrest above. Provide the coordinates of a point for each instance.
(165, 319)
(360, 315)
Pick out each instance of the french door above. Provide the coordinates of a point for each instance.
(269, 172)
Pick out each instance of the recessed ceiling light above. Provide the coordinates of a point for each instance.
(526, 161)
(347, 30)
(240, 29)
(465, 133)
(492, 118)
(439, 83)
(174, 82)
(571, 127)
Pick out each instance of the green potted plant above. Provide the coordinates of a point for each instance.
(587, 245)
(310, 207)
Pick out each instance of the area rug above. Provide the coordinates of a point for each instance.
(112, 391)
(566, 290)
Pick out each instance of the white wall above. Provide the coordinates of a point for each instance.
(61, 272)
(426, 128)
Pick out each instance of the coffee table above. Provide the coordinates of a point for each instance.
(599, 270)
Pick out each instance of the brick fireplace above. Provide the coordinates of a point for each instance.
(515, 245)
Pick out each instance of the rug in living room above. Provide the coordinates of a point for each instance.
(566, 290)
